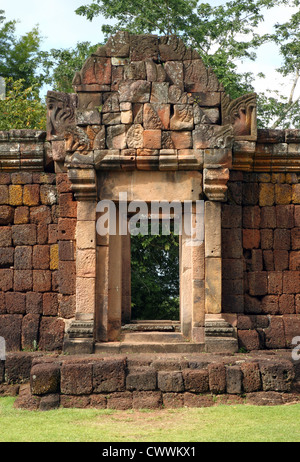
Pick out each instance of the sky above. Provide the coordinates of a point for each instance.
(61, 27)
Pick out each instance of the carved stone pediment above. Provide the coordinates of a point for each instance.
(241, 114)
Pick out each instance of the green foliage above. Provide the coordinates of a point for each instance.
(60, 65)
(284, 111)
(22, 108)
(155, 277)
(19, 56)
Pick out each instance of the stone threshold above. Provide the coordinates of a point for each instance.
(148, 347)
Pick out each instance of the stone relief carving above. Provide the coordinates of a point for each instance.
(241, 114)
(60, 113)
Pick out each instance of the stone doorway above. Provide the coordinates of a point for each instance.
(113, 278)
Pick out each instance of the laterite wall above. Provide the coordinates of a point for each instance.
(37, 243)
(261, 258)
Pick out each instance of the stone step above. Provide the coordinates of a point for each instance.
(128, 348)
(152, 337)
(152, 326)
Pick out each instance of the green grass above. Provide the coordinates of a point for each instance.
(236, 423)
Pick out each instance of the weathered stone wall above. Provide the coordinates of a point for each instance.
(261, 258)
(146, 107)
(150, 381)
(37, 235)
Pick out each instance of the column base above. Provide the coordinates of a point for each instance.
(220, 335)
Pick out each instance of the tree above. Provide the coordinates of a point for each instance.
(221, 34)
(60, 65)
(22, 108)
(19, 56)
(155, 277)
(278, 110)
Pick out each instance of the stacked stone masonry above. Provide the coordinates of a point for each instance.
(37, 262)
(141, 381)
(146, 111)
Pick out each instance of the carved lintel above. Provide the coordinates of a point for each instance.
(215, 183)
(60, 113)
(84, 183)
(241, 114)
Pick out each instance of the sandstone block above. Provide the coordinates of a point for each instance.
(67, 306)
(287, 304)
(141, 379)
(51, 334)
(248, 339)
(251, 377)
(86, 263)
(24, 234)
(6, 279)
(274, 334)
(34, 303)
(30, 331)
(183, 118)
(6, 214)
(67, 277)
(41, 257)
(147, 400)
(109, 375)
(258, 283)
(152, 139)
(251, 238)
(134, 137)
(42, 281)
(266, 194)
(31, 194)
(233, 380)
(136, 91)
(23, 280)
(76, 378)
(15, 195)
(50, 304)
(196, 381)
(10, 330)
(217, 378)
(15, 303)
(21, 216)
(170, 381)
(96, 70)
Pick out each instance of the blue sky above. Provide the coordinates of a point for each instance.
(62, 28)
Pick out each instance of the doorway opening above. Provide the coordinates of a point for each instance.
(155, 276)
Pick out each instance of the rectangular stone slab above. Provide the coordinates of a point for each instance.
(150, 186)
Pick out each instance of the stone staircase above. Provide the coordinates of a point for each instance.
(150, 337)
(220, 336)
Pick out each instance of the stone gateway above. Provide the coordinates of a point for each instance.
(148, 119)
